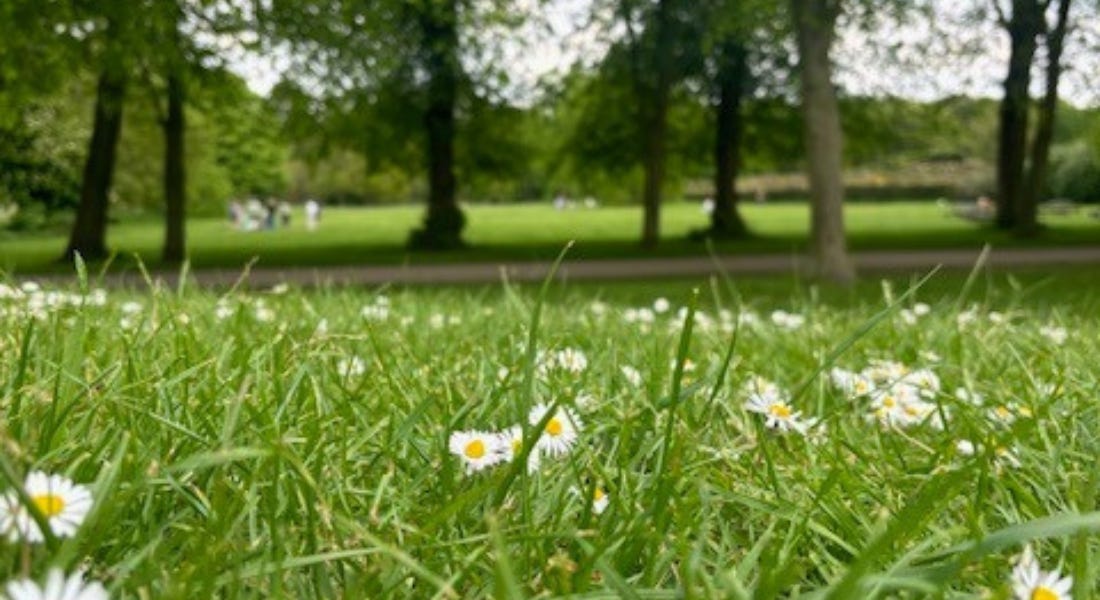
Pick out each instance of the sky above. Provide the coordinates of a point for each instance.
(923, 59)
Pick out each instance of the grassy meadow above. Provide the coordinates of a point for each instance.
(659, 440)
(526, 232)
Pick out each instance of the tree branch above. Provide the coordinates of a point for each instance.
(1002, 18)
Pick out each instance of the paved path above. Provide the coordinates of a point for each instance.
(639, 268)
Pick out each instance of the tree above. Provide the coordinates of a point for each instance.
(444, 221)
(350, 47)
(1024, 25)
(1026, 213)
(659, 50)
(89, 233)
(733, 27)
(732, 76)
(815, 25)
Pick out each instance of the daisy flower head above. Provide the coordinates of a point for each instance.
(58, 587)
(661, 305)
(1029, 582)
(349, 367)
(777, 411)
(852, 384)
(1057, 335)
(632, 375)
(477, 449)
(925, 380)
(64, 504)
(510, 443)
(786, 320)
(560, 433)
(600, 499)
(572, 360)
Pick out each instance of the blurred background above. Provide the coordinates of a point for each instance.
(369, 132)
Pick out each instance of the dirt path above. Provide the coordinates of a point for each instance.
(643, 268)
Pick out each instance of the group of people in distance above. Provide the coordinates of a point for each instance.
(259, 215)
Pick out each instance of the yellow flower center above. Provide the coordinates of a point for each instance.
(1003, 412)
(554, 427)
(1043, 593)
(475, 449)
(911, 411)
(598, 495)
(517, 445)
(889, 402)
(779, 410)
(50, 505)
(861, 387)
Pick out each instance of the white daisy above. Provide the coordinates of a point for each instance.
(787, 320)
(510, 443)
(477, 449)
(598, 308)
(64, 504)
(632, 376)
(375, 312)
(1057, 335)
(1006, 457)
(351, 367)
(969, 396)
(263, 314)
(769, 401)
(966, 317)
(852, 384)
(572, 360)
(57, 587)
(560, 432)
(1029, 582)
(600, 500)
(924, 380)
(661, 305)
(222, 310)
(1007, 413)
(965, 448)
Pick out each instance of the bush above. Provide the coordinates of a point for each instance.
(1075, 172)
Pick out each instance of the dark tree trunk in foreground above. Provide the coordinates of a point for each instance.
(89, 233)
(174, 174)
(1027, 211)
(815, 21)
(444, 221)
(726, 221)
(1024, 26)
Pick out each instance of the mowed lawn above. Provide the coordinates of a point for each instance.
(603, 442)
(524, 232)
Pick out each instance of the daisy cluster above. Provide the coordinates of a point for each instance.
(31, 301)
(481, 449)
(62, 506)
(896, 395)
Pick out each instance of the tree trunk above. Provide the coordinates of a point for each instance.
(89, 233)
(174, 175)
(444, 221)
(1027, 211)
(654, 167)
(654, 103)
(815, 21)
(1024, 26)
(725, 221)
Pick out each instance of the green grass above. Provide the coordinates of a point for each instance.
(230, 458)
(526, 232)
